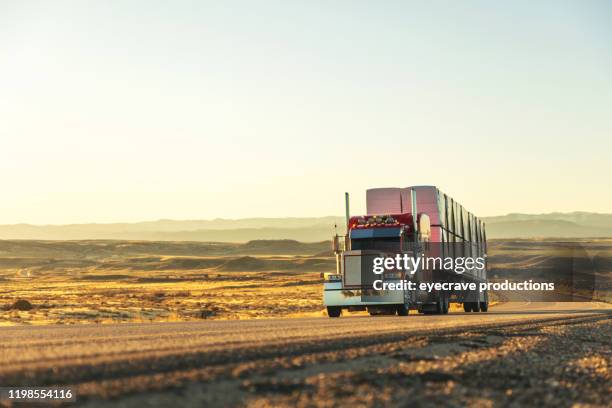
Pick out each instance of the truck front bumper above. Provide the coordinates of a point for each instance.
(335, 295)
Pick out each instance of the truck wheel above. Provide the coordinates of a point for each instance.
(440, 304)
(467, 307)
(484, 306)
(445, 304)
(334, 311)
(442, 307)
(402, 310)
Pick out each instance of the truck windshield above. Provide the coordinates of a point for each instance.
(388, 244)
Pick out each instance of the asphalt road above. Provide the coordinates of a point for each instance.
(306, 361)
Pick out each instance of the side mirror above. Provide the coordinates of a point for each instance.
(339, 244)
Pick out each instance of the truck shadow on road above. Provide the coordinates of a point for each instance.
(544, 312)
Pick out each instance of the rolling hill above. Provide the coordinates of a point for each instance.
(552, 225)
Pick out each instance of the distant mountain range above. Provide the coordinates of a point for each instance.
(308, 229)
(557, 225)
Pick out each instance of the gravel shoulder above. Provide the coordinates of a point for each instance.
(518, 355)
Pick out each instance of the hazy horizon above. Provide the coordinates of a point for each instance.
(303, 229)
(127, 111)
(297, 217)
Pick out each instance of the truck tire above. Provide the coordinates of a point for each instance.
(484, 306)
(445, 304)
(334, 311)
(402, 310)
(440, 304)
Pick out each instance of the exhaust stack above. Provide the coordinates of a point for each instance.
(346, 210)
(413, 200)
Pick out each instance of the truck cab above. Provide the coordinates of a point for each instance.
(352, 286)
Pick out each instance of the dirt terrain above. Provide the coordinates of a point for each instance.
(69, 282)
(518, 354)
(210, 324)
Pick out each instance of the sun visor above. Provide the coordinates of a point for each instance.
(375, 233)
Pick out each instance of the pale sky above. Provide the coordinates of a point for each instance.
(136, 110)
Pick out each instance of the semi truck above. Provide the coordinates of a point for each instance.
(415, 221)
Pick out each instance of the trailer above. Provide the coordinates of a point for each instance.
(417, 221)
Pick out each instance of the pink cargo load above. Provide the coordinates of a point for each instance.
(395, 200)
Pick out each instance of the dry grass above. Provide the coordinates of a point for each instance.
(71, 282)
(88, 295)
